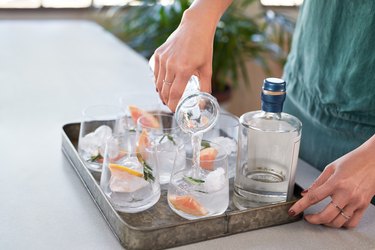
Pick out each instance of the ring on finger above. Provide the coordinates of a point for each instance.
(347, 217)
(166, 82)
(337, 206)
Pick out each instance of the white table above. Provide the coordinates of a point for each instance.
(50, 71)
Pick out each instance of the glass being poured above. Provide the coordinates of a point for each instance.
(196, 113)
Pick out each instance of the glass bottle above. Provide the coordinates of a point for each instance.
(268, 151)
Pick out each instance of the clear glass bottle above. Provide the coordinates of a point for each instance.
(268, 151)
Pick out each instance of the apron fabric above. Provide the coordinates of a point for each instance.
(330, 75)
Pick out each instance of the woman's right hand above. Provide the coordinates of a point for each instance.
(187, 52)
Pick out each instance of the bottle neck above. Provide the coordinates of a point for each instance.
(271, 115)
(272, 103)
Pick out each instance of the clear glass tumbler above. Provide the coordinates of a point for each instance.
(159, 133)
(194, 195)
(129, 178)
(98, 124)
(225, 133)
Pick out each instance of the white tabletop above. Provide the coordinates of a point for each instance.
(50, 71)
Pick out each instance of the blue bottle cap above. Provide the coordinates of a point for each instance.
(274, 84)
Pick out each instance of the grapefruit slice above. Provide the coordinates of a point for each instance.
(187, 204)
(149, 120)
(118, 157)
(207, 156)
(143, 143)
(116, 167)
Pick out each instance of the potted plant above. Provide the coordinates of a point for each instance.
(238, 37)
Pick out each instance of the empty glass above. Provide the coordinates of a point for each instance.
(225, 133)
(98, 124)
(129, 178)
(160, 133)
(196, 194)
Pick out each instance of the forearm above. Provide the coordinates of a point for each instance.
(206, 13)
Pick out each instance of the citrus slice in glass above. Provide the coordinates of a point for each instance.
(187, 204)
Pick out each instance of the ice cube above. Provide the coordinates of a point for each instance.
(229, 144)
(122, 181)
(89, 144)
(112, 147)
(103, 132)
(215, 180)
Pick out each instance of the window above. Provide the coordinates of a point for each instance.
(29, 4)
(281, 2)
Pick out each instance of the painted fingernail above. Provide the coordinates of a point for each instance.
(305, 191)
(163, 102)
(291, 213)
(157, 90)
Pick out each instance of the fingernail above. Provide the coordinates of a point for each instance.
(157, 90)
(291, 213)
(163, 102)
(305, 191)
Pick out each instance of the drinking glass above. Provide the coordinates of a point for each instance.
(129, 178)
(160, 133)
(196, 194)
(225, 133)
(196, 111)
(98, 124)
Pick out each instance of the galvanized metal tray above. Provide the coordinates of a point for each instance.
(159, 227)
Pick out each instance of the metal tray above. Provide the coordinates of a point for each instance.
(159, 226)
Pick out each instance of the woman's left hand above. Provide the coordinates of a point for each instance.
(350, 182)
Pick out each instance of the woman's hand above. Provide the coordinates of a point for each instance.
(350, 181)
(188, 51)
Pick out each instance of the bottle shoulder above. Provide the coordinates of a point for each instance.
(271, 122)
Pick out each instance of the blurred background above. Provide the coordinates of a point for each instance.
(252, 40)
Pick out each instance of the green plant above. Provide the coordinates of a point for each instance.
(238, 37)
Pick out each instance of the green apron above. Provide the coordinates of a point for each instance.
(330, 75)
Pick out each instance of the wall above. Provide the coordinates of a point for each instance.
(247, 98)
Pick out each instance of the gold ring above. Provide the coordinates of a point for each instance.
(166, 82)
(347, 217)
(339, 208)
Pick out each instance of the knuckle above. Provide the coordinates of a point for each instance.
(184, 68)
(330, 168)
(172, 65)
(159, 83)
(163, 59)
(362, 201)
(343, 185)
(312, 197)
(158, 52)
